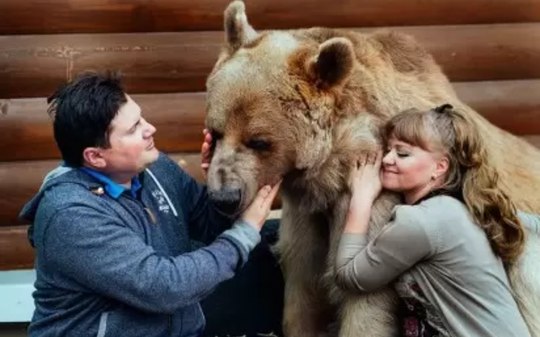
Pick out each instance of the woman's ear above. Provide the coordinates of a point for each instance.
(442, 166)
(93, 157)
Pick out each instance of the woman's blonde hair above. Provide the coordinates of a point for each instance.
(471, 177)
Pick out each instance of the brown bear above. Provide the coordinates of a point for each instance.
(299, 105)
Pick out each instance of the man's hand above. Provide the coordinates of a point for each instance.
(258, 210)
(206, 153)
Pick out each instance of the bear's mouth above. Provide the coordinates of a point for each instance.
(229, 201)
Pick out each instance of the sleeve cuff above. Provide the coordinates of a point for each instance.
(244, 235)
(354, 239)
(349, 245)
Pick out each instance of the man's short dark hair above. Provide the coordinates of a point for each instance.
(83, 110)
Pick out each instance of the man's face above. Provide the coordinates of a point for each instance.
(131, 142)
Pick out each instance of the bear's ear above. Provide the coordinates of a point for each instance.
(334, 63)
(238, 31)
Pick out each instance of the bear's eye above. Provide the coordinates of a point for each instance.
(258, 145)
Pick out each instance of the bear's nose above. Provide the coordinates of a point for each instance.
(227, 199)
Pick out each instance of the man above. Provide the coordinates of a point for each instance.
(112, 228)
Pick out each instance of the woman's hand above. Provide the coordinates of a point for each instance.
(366, 186)
(258, 210)
(366, 177)
(206, 153)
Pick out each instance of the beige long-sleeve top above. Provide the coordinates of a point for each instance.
(435, 252)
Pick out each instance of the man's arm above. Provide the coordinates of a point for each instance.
(110, 259)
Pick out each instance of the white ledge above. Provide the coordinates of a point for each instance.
(16, 302)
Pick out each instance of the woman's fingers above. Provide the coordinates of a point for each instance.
(367, 159)
(370, 158)
(378, 159)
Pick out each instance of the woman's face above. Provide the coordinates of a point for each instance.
(411, 170)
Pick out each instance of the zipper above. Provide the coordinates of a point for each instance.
(149, 213)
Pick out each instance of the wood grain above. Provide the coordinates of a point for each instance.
(26, 131)
(15, 250)
(106, 16)
(35, 65)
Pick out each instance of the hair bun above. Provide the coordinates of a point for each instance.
(443, 108)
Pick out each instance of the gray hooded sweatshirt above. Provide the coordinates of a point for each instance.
(124, 266)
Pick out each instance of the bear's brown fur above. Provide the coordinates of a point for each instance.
(301, 105)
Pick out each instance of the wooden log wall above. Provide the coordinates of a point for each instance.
(165, 48)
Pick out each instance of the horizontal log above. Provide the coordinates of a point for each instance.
(26, 128)
(26, 132)
(15, 251)
(35, 65)
(163, 62)
(98, 16)
(483, 53)
(511, 105)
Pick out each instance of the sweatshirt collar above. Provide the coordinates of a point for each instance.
(113, 189)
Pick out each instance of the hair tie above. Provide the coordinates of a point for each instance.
(443, 108)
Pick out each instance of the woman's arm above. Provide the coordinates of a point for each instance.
(364, 266)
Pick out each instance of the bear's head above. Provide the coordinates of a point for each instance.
(299, 104)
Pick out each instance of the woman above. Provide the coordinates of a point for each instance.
(446, 248)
